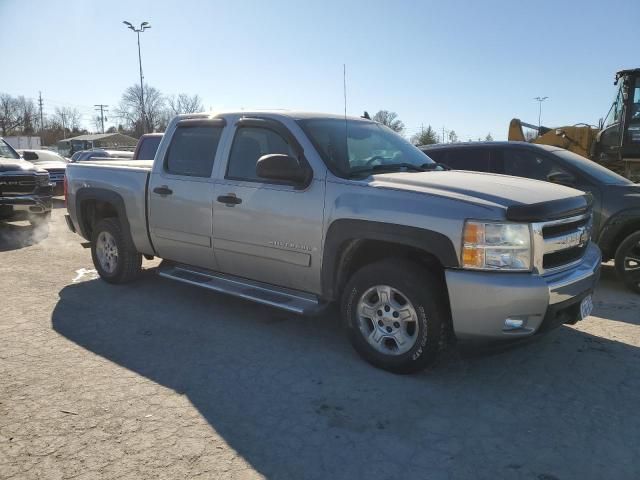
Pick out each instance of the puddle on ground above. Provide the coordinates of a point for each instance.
(85, 274)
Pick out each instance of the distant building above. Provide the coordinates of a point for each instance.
(110, 141)
(21, 142)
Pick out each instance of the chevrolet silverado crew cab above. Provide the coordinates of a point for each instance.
(25, 189)
(300, 210)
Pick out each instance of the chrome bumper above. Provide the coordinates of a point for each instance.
(482, 301)
(28, 203)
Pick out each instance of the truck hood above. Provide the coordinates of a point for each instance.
(52, 165)
(17, 166)
(492, 190)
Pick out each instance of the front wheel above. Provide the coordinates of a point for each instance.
(396, 314)
(114, 255)
(628, 261)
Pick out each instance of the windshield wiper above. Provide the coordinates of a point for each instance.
(434, 166)
(392, 167)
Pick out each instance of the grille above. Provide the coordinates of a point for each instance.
(17, 184)
(560, 243)
(56, 175)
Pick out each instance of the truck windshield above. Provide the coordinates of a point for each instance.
(361, 147)
(613, 116)
(7, 152)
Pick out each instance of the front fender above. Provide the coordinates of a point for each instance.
(344, 230)
(617, 225)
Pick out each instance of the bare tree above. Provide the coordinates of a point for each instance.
(453, 137)
(27, 111)
(10, 118)
(184, 103)
(488, 138)
(390, 119)
(129, 109)
(68, 118)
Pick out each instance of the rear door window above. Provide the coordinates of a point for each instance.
(192, 150)
(473, 159)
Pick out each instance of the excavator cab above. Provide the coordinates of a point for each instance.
(618, 143)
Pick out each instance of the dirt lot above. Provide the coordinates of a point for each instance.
(160, 380)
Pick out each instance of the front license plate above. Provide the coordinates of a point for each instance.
(586, 307)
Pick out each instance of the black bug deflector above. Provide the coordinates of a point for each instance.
(552, 210)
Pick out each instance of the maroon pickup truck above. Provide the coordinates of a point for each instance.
(147, 146)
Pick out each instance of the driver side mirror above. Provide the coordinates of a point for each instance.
(283, 168)
(562, 178)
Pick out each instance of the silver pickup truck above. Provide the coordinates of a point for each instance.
(298, 211)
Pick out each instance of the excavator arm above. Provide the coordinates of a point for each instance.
(577, 138)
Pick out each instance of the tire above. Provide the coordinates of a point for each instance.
(627, 261)
(113, 253)
(39, 219)
(378, 340)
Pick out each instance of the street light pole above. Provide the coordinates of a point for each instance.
(540, 100)
(142, 28)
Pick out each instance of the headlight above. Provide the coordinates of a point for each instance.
(43, 179)
(496, 246)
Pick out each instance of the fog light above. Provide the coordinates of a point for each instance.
(513, 323)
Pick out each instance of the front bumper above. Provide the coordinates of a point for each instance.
(482, 301)
(26, 203)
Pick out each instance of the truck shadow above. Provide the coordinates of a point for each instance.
(613, 300)
(16, 235)
(289, 395)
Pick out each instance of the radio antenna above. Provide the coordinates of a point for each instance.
(346, 128)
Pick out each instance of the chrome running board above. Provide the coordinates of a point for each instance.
(283, 298)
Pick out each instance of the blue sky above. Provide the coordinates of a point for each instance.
(466, 65)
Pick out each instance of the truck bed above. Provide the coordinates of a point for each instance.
(125, 179)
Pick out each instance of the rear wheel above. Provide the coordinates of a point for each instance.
(628, 261)
(114, 255)
(396, 315)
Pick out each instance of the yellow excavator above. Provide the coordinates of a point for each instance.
(615, 143)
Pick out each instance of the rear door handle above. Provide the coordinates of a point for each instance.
(229, 200)
(163, 190)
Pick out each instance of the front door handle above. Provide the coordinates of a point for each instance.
(229, 200)
(163, 190)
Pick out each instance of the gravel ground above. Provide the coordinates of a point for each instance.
(161, 380)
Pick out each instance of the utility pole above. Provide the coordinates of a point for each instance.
(41, 115)
(142, 28)
(443, 134)
(540, 100)
(102, 108)
(63, 117)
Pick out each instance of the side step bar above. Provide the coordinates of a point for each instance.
(283, 298)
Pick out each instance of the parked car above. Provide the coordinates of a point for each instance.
(616, 226)
(298, 211)
(25, 190)
(53, 163)
(147, 146)
(100, 154)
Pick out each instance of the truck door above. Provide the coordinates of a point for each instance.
(180, 193)
(264, 230)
